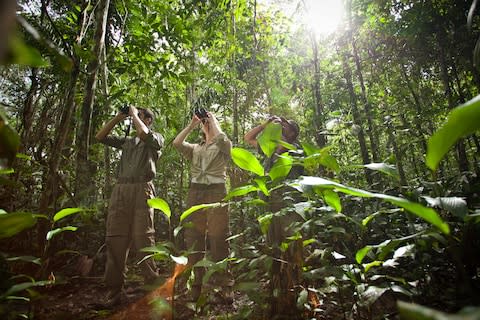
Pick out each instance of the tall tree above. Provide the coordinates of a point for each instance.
(83, 183)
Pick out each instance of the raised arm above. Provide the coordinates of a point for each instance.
(180, 138)
(251, 136)
(141, 128)
(105, 130)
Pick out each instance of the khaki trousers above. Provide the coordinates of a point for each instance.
(208, 229)
(129, 226)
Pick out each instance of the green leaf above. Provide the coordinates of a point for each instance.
(9, 141)
(333, 200)
(65, 213)
(7, 171)
(319, 156)
(412, 311)
(428, 214)
(13, 223)
(247, 161)
(372, 294)
(162, 205)
(31, 259)
(455, 205)
(386, 168)
(360, 255)
(269, 138)
(264, 222)
(461, 121)
(262, 185)
(57, 231)
(197, 207)
(24, 54)
(25, 285)
(282, 166)
(179, 260)
(240, 191)
(372, 264)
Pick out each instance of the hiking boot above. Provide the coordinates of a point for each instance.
(113, 300)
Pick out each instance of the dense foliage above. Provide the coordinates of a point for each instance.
(388, 107)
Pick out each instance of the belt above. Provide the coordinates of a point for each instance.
(203, 186)
(126, 180)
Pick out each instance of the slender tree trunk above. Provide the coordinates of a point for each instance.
(398, 154)
(356, 115)
(83, 187)
(50, 188)
(235, 89)
(418, 108)
(368, 110)
(317, 97)
(460, 146)
(28, 111)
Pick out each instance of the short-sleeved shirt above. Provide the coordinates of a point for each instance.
(208, 161)
(139, 157)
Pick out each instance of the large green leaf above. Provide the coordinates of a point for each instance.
(269, 138)
(282, 166)
(319, 156)
(332, 199)
(386, 168)
(461, 121)
(264, 222)
(360, 255)
(192, 209)
(455, 205)
(25, 285)
(240, 191)
(162, 205)
(247, 161)
(262, 185)
(65, 213)
(9, 141)
(57, 231)
(412, 311)
(13, 223)
(428, 214)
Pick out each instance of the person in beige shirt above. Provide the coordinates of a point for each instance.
(209, 161)
(130, 219)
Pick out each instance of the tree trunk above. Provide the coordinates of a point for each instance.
(418, 108)
(398, 154)
(460, 146)
(50, 190)
(368, 110)
(357, 120)
(317, 97)
(28, 111)
(84, 189)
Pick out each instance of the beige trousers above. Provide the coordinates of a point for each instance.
(208, 229)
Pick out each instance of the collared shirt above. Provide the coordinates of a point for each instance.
(138, 158)
(208, 161)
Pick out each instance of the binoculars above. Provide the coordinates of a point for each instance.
(125, 109)
(201, 113)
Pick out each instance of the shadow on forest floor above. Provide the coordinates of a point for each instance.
(80, 298)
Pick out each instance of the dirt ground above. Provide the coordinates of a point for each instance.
(81, 298)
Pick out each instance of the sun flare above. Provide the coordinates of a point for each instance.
(323, 16)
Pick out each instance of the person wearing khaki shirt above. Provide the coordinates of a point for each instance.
(130, 219)
(208, 227)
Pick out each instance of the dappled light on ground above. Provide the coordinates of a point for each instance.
(158, 304)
